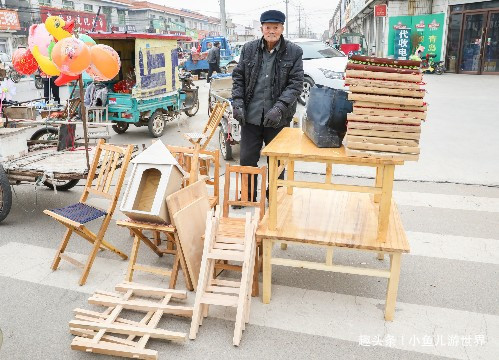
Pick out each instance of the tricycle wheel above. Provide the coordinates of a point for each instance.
(120, 127)
(225, 147)
(156, 124)
(193, 110)
(61, 185)
(46, 133)
(5, 195)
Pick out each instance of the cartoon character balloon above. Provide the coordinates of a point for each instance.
(105, 63)
(39, 35)
(24, 61)
(71, 56)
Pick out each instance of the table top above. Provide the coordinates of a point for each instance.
(339, 218)
(292, 142)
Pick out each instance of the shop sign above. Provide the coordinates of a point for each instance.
(402, 44)
(85, 20)
(9, 20)
(428, 27)
(380, 10)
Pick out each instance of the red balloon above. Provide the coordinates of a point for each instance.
(24, 62)
(64, 79)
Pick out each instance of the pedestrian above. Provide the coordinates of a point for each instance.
(267, 82)
(49, 85)
(213, 60)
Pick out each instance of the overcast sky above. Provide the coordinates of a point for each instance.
(315, 13)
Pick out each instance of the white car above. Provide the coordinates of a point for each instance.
(322, 64)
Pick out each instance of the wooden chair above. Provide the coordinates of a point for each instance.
(202, 139)
(234, 227)
(75, 216)
(69, 111)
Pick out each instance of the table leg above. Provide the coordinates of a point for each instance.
(133, 258)
(378, 182)
(381, 256)
(273, 193)
(393, 284)
(385, 202)
(291, 175)
(267, 269)
(176, 265)
(329, 256)
(329, 173)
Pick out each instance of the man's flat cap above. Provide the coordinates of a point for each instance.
(272, 16)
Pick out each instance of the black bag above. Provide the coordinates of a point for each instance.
(325, 122)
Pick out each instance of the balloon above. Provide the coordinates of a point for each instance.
(105, 63)
(38, 35)
(57, 27)
(87, 39)
(24, 61)
(46, 65)
(71, 56)
(64, 79)
(51, 47)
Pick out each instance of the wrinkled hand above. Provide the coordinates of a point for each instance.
(273, 117)
(238, 114)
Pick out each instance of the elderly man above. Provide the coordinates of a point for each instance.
(266, 84)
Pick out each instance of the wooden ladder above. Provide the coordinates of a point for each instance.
(213, 291)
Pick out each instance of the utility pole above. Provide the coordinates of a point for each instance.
(223, 18)
(299, 21)
(287, 18)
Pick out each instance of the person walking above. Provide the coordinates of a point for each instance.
(213, 60)
(267, 82)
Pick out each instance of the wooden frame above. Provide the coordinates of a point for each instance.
(101, 188)
(95, 330)
(209, 129)
(347, 220)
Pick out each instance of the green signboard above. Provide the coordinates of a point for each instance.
(429, 28)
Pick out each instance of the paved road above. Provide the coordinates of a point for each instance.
(447, 302)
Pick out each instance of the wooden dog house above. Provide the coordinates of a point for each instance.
(155, 175)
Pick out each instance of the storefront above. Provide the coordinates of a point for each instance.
(9, 24)
(473, 38)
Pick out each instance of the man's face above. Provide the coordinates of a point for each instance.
(272, 31)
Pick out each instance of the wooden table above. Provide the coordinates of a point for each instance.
(173, 248)
(292, 145)
(332, 219)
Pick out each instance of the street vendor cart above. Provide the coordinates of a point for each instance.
(147, 90)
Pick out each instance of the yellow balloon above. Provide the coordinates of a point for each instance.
(47, 66)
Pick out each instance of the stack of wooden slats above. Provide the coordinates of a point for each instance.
(388, 108)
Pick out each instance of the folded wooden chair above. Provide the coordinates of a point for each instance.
(114, 162)
(202, 139)
(234, 227)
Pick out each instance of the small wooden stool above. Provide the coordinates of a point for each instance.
(173, 248)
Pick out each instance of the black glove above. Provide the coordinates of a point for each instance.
(238, 114)
(273, 117)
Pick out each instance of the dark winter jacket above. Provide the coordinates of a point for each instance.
(214, 55)
(287, 83)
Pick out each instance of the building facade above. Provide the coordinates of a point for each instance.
(463, 33)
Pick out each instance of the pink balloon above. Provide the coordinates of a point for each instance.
(38, 35)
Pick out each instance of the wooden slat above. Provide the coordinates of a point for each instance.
(386, 99)
(144, 290)
(62, 219)
(114, 148)
(104, 166)
(228, 255)
(218, 299)
(111, 172)
(383, 119)
(385, 91)
(71, 260)
(223, 290)
(384, 134)
(383, 84)
(381, 105)
(384, 147)
(383, 127)
(416, 78)
(382, 155)
(112, 349)
(382, 112)
(152, 270)
(337, 187)
(378, 140)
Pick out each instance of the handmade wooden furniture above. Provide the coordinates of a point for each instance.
(209, 129)
(95, 331)
(212, 291)
(333, 219)
(233, 228)
(188, 208)
(292, 145)
(74, 217)
(69, 111)
(184, 156)
(155, 175)
(172, 247)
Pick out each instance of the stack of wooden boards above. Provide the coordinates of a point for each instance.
(388, 108)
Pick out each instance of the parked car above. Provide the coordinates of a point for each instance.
(322, 64)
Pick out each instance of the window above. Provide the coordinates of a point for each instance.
(44, 2)
(88, 7)
(67, 4)
(317, 50)
(107, 11)
(121, 17)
